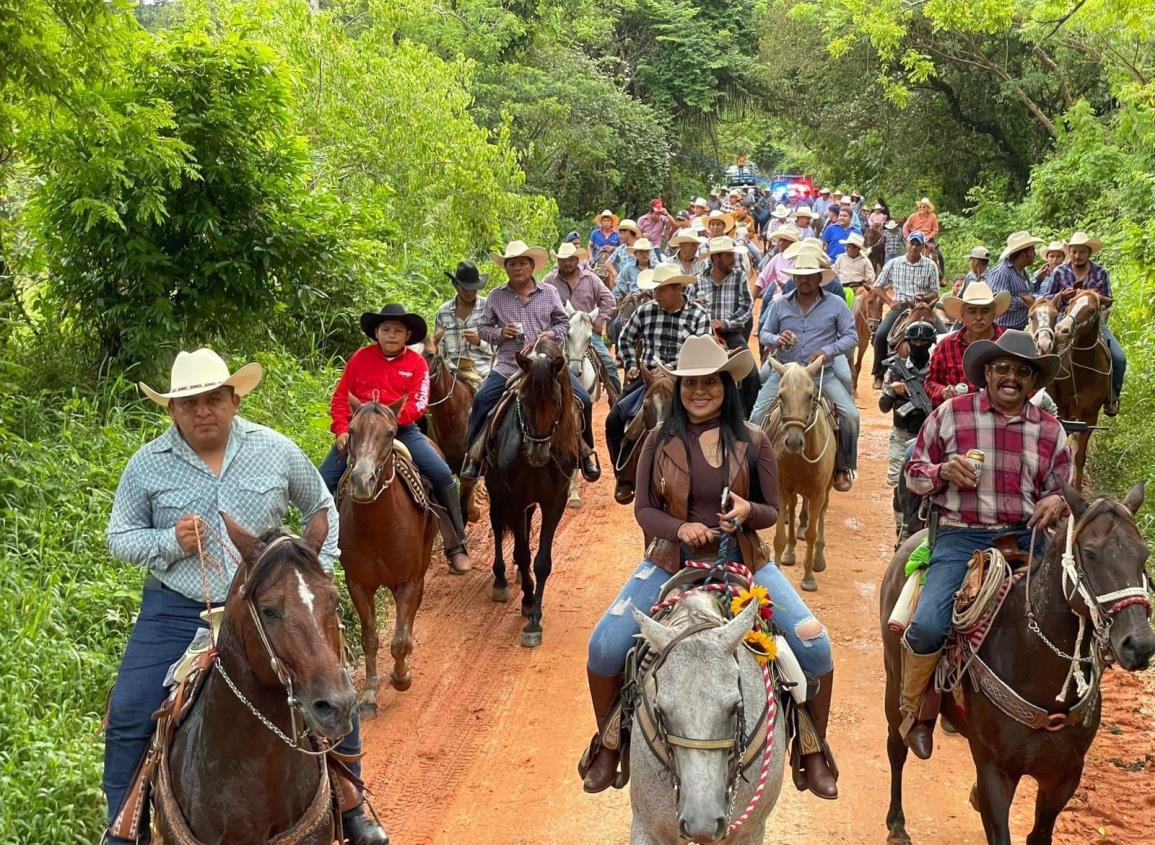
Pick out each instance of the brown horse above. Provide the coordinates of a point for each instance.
(451, 393)
(867, 315)
(386, 538)
(1083, 385)
(804, 444)
(875, 247)
(533, 454)
(656, 404)
(227, 777)
(1029, 647)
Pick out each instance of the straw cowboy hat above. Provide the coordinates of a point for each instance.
(780, 211)
(395, 311)
(629, 225)
(926, 201)
(1083, 239)
(727, 219)
(520, 249)
(641, 245)
(1056, 246)
(604, 214)
(685, 236)
(1011, 344)
(467, 276)
(700, 202)
(981, 253)
(854, 239)
(803, 211)
(822, 191)
(890, 224)
(977, 293)
(701, 355)
(201, 371)
(811, 246)
(809, 264)
(1017, 242)
(788, 232)
(569, 250)
(665, 273)
(716, 246)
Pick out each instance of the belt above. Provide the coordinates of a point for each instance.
(998, 526)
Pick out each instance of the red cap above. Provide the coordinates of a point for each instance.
(656, 204)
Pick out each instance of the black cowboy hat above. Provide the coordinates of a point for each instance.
(395, 311)
(467, 276)
(1012, 344)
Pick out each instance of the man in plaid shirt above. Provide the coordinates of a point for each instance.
(723, 290)
(1016, 488)
(976, 309)
(660, 326)
(910, 276)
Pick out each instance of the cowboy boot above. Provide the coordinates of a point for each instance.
(819, 767)
(591, 469)
(917, 674)
(599, 765)
(359, 829)
(472, 468)
(453, 530)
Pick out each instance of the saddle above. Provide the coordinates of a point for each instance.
(898, 328)
(497, 415)
(466, 373)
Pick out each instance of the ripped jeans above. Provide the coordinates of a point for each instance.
(613, 636)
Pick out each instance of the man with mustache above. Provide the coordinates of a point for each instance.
(976, 309)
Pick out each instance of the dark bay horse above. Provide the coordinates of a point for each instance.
(451, 392)
(657, 400)
(533, 454)
(875, 247)
(1030, 648)
(386, 538)
(227, 777)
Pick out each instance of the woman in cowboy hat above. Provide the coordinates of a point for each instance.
(705, 447)
(385, 371)
(604, 238)
(773, 277)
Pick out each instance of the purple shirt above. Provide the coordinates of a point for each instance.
(1063, 278)
(541, 311)
(588, 292)
(653, 226)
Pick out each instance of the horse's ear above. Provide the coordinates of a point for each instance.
(594, 315)
(399, 405)
(317, 531)
(815, 367)
(522, 359)
(1134, 498)
(249, 546)
(569, 312)
(731, 634)
(658, 636)
(778, 366)
(354, 403)
(647, 376)
(1106, 301)
(1075, 501)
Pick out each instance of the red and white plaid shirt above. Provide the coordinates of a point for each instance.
(1026, 459)
(946, 364)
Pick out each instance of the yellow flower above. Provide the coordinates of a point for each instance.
(762, 645)
(739, 602)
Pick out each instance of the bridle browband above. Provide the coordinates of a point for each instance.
(523, 424)
(380, 485)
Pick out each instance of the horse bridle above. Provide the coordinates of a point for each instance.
(1048, 330)
(811, 419)
(1077, 327)
(441, 362)
(380, 486)
(523, 424)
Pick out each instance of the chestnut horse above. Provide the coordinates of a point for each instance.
(656, 404)
(804, 444)
(1083, 384)
(386, 539)
(867, 315)
(1101, 592)
(532, 455)
(450, 400)
(279, 661)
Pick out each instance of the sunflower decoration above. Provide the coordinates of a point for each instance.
(756, 593)
(761, 644)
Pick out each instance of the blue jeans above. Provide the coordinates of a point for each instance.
(599, 347)
(953, 547)
(167, 623)
(429, 463)
(613, 636)
(1118, 360)
(490, 392)
(839, 395)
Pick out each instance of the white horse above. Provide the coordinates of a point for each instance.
(577, 346)
(700, 688)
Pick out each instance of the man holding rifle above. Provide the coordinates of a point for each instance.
(904, 393)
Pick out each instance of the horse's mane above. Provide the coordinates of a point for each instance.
(280, 557)
(694, 607)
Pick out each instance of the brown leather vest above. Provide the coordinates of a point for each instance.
(670, 485)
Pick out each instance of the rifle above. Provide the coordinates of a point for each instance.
(914, 383)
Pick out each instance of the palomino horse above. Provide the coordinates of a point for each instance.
(279, 661)
(656, 403)
(533, 454)
(577, 357)
(804, 444)
(1083, 385)
(451, 395)
(1092, 605)
(387, 533)
(867, 315)
(706, 690)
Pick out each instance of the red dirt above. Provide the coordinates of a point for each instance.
(483, 748)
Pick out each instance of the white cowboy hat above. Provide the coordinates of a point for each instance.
(981, 253)
(727, 220)
(890, 224)
(199, 372)
(629, 226)
(780, 211)
(520, 249)
(685, 236)
(803, 211)
(665, 273)
(641, 245)
(823, 191)
(716, 246)
(1017, 242)
(701, 355)
(1083, 239)
(977, 293)
(1057, 246)
(569, 250)
(788, 232)
(809, 246)
(809, 264)
(700, 202)
(854, 239)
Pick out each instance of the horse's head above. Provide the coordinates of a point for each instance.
(658, 398)
(542, 399)
(371, 433)
(798, 398)
(1081, 322)
(284, 611)
(697, 699)
(1041, 320)
(1111, 558)
(581, 331)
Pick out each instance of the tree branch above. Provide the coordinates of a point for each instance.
(991, 129)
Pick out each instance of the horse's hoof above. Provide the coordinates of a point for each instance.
(401, 684)
(788, 559)
(574, 503)
(819, 564)
(531, 639)
(367, 710)
(809, 585)
(501, 594)
(898, 837)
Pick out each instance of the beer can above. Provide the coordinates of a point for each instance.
(976, 457)
(520, 328)
(962, 388)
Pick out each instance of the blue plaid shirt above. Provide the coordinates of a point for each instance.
(262, 474)
(1006, 277)
(1063, 278)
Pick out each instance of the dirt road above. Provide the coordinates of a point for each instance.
(482, 750)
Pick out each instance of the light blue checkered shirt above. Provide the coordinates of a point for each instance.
(262, 473)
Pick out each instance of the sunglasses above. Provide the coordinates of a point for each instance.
(1004, 368)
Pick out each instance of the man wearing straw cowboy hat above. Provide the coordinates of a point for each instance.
(517, 314)
(1015, 495)
(624, 255)
(803, 218)
(685, 245)
(1011, 275)
(808, 325)
(168, 505)
(978, 259)
(582, 290)
(911, 276)
(1081, 273)
(853, 268)
(660, 326)
(976, 310)
(455, 323)
(773, 278)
